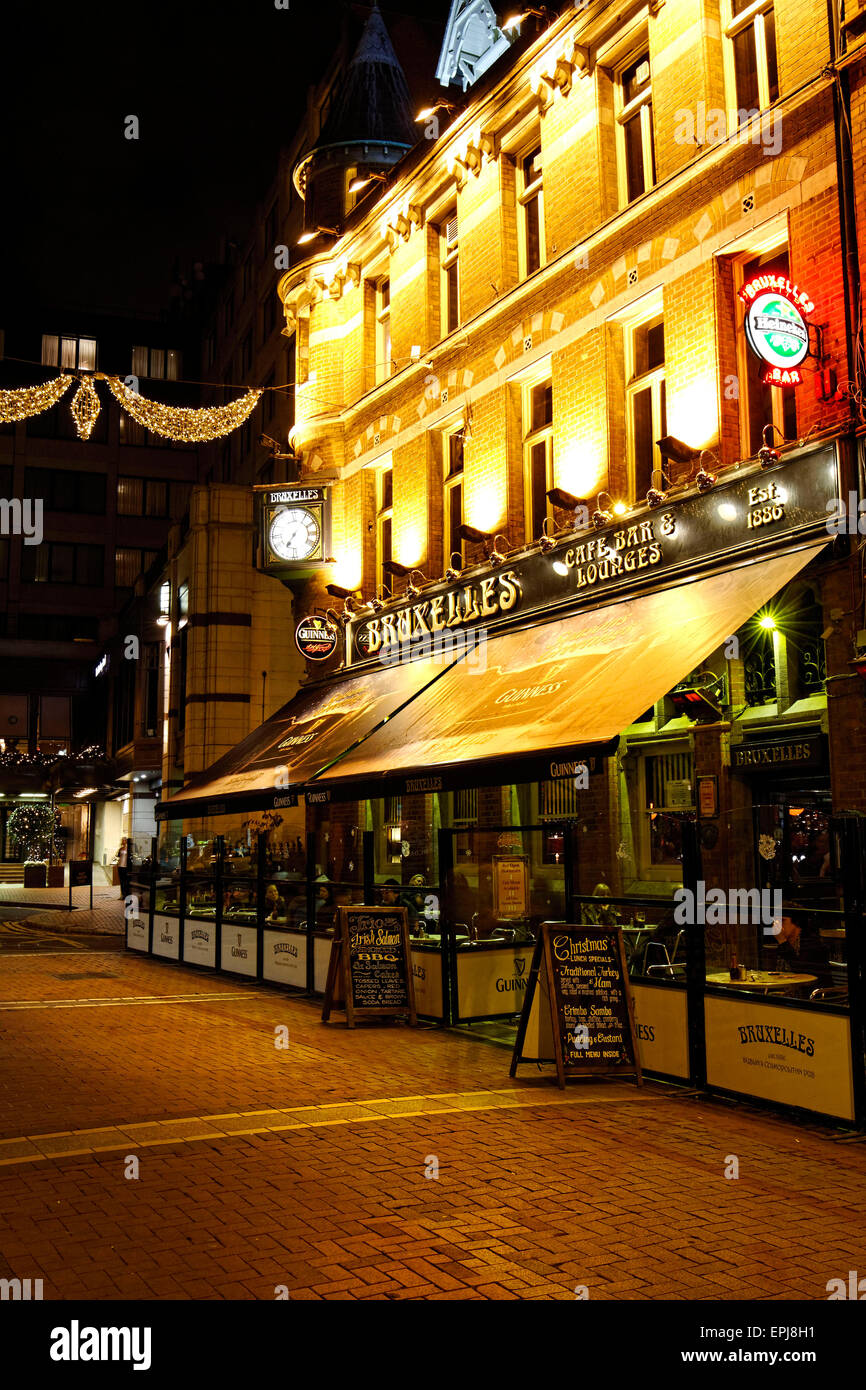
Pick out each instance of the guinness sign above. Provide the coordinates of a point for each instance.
(316, 638)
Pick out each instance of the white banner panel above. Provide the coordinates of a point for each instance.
(284, 958)
(239, 950)
(792, 1056)
(166, 937)
(427, 982)
(492, 980)
(199, 943)
(662, 1026)
(136, 933)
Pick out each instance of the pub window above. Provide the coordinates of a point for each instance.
(452, 457)
(761, 405)
(750, 30)
(384, 529)
(646, 414)
(668, 791)
(464, 806)
(637, 170)
(449, 260)
(537, 454)
(560, 800)
(384, 364)
(531, 202)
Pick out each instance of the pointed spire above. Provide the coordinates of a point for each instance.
(373, 103)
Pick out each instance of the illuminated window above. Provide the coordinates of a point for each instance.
(637, 170)
(50, 350)
(452, 456)
(69, 352)
(531, 218)
(537, 454)
(646, 414)
(384, 364)
(384, 528)
(761, 405)
(751, 55)
(156, 363)
(449, 259)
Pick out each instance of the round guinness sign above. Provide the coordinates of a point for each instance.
(316, 638)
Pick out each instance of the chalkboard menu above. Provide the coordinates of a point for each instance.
(370, 969)
(80, 873)
(577, 1010)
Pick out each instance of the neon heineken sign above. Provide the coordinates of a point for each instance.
(777, 327)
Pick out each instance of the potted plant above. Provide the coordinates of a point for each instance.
(56, 875)
(34, 873)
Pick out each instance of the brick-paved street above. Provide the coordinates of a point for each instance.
(305, 1167)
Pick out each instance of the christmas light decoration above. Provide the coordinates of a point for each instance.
(32, 827)
(184, 423)
(24, 401)
(85, 408)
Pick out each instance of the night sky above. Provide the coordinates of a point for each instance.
(93, 219)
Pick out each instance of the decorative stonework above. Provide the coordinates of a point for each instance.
(473, 42)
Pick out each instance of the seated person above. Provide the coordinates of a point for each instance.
(602, 913)
(800, 949)
(275, 906)
(390, 893)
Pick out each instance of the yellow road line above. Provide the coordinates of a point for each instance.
(116, 1002)
(36, 1148)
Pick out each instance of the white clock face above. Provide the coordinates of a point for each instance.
(294, 534)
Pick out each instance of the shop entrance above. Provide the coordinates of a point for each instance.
(499, 884)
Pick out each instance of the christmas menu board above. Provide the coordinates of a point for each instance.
(370, 970)
(578, 1010)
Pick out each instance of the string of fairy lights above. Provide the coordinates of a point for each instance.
(186, 424)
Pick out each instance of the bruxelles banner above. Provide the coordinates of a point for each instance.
(760, 512)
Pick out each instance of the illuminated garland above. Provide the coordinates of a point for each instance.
(85, 408)
(182, 422)
(25, 401)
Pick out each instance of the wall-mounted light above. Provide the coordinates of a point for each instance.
(427, 111)
(413, 589)
(497, 556)
(453, 573)
(602, 516)
(314, 232)
(767, 622)
(565, 500)
(363, 179)
(767, 455)
(672, 448)
(545, 542)
(704, 479)
(515, 20)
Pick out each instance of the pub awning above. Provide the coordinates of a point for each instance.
(550, 696)
(305, 736)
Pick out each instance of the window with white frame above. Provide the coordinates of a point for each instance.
(449, 260)
(384, 364)
(537, 453)
(68, 352)
(646, 414)
(530, 198)
(636, 156)
(452, 458)
(751, 55)
(384, 529)
(667, 781)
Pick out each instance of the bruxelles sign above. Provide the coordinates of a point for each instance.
(757, 511)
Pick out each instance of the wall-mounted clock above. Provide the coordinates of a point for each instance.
(295, 529)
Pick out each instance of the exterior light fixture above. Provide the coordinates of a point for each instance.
(394, 568)
(544, 540)
(619, 509)
(316, 232)
(470, 533)
(672, 448)
(767, 622)
(363, 179)
(427, 111)
(413, 589)
(602, 516)
(566, 500)
(452, 574)
(497, 556)
(767, 455)
(706, 480)
(657, 495)
(85, 791)
(514, 21)
(560, 567)
(727, 511)
(347, 595)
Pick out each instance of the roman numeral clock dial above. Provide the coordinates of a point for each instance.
(294, 534)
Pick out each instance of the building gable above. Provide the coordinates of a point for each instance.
(473, 42)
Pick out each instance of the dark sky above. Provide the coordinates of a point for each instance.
(93, 219)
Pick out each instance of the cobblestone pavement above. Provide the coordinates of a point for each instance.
(315, 1166)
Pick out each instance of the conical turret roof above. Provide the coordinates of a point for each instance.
(373, 101)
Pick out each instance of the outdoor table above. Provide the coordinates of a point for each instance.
(761, 981)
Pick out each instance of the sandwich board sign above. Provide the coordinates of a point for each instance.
(370, 971)
(578, 1011)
